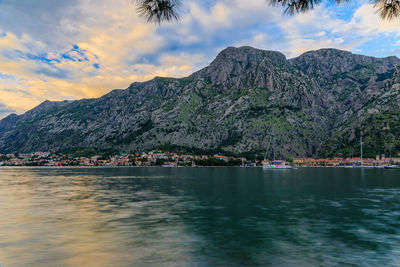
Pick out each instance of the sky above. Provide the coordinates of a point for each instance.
(65, 50)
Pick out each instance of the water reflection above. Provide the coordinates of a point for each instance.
(203, 216)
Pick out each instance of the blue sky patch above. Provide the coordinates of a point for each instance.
(75, 54)
(43, 57)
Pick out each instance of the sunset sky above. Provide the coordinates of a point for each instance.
(54, 49)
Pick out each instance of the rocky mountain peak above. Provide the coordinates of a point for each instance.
(233, 62)
(329, 61)
(326, 53)
(246, 56)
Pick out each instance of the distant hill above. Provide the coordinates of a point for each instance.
(317, 104)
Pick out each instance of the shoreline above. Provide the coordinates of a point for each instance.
(180, 167)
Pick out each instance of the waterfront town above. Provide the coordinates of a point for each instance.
(170, 159)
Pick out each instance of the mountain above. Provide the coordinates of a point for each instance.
(317, 104)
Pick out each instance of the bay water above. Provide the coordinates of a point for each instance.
(199, 217)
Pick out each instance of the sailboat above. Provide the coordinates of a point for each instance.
(361, 158)
(276, 164)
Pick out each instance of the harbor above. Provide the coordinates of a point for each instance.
(172, 159)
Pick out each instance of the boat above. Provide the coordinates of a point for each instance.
(276, 164)
(169, 164)
(361, 161)
(393, 167)
(361, 166)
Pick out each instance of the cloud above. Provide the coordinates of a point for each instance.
(366, 22)
(319, 34)
(84, 48)
(19, 91)
(41, 19)
(4, 111)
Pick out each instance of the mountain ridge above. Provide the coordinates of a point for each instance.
(232, 105)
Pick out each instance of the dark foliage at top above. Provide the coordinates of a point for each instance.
(167, 10)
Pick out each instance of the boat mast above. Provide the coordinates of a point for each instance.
(361, 143)
(274, 148)
(266, 151)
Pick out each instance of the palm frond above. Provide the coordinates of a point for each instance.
(167, 10)
(158, 10)
(388, 9)
(341, 1)
(295, 6)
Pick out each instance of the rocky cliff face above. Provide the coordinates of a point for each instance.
(313, 104)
